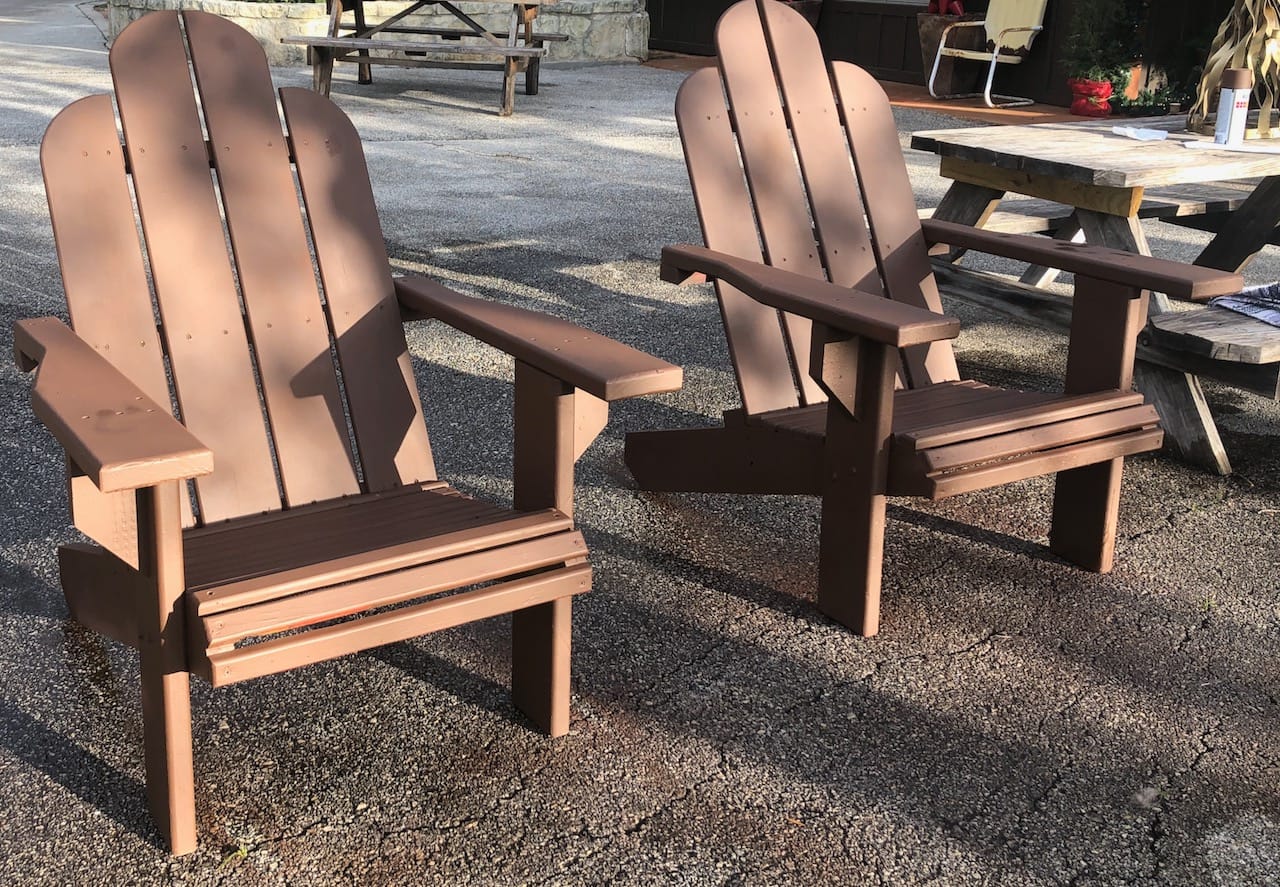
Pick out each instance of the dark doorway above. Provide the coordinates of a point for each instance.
(684, 25)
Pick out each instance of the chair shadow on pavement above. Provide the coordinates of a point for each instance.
(99, 785)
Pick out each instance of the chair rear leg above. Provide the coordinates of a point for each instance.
(1086, 509)
(541, 646)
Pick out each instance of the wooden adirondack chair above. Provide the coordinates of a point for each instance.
(782, 177)
(1011, 26)
(322, 530)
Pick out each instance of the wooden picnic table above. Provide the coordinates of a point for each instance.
(467, 45)
(1104, 184)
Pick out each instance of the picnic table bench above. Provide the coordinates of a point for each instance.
(1082, 182)
(519, 48)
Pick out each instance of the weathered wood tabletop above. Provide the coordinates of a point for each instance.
(1105, 177)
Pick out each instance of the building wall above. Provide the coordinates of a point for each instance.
(599, 30)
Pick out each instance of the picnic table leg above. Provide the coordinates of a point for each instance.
(1246, 231)
(534, 67)
(1188, 425)
(967, 204)
(364, 72)
(509, 68)
(1041, 275)
(321, 69)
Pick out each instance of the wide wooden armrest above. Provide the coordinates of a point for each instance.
(598, 365)
(120, 438)
(1117, 266)
(862, 314)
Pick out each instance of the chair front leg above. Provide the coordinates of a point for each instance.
(1105, 321)
(548, 438)
(166, 699)
(858, 377)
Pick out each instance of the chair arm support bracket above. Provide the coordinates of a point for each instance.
(120, 438)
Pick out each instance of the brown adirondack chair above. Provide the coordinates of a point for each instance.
(782, 177)
(323, 529)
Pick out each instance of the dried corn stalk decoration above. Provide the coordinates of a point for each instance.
(1249, 38)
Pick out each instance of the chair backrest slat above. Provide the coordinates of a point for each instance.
(768, 157)
(826, 178)
(754, 331)
(273, 262)
(823, 151)
(898, 241)
(103, 272)
(386, 412)
(1002, 14)
(195, 287)
(250, 336)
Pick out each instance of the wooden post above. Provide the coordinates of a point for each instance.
(541, 635)
(534, 66)
(967, 204)
(166, 700)
(364, 72)
(1105, 321)
(858, 376)
(1177, 396)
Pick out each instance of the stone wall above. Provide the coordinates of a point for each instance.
(598, 30)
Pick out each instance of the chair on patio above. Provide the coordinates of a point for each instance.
(1011, 27)
(817, 347)
(319, 526)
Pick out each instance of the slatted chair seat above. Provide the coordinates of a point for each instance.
(850, 389)
(315, 524)
(954, 437)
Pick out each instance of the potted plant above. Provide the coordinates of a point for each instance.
(1099, 52)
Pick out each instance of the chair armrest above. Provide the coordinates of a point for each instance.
(1113, 265)
(599, 366)
(120, 438)
(862, 314)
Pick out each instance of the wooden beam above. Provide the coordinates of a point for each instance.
(1101, 198)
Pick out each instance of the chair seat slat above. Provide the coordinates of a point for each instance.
(1040, 437)
(293, 611)
(330, 641)
(335, 540)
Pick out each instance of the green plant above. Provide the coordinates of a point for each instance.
(1104, 39)
(1150, 102)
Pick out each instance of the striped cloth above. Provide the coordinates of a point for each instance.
(1260, 302)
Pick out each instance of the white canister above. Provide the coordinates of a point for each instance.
(1233, 106)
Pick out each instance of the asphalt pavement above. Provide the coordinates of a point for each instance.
(1017, 721)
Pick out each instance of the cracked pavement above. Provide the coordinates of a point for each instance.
(1016, 722)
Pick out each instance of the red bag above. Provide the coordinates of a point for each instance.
(945, 7)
